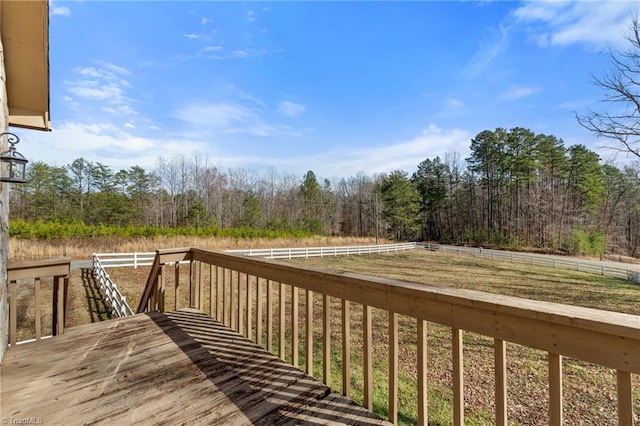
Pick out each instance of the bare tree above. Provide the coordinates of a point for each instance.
(622, 91)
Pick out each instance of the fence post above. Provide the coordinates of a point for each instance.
(135, 260)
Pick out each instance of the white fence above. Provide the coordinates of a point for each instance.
(101, 261)
(121, 308)
(541, 260)
(117, 301)
(306, 252)
(120, 260)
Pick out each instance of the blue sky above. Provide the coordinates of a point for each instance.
(334, 87)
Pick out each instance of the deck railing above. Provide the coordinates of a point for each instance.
(240, 290)
(20, 275)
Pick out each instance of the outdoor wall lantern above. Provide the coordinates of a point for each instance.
(13, 165)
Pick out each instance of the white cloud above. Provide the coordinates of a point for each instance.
(117, 69)
(290, 109)
(104, 85)
(518, 93)
(60, 11)
(455, 103)
(488, 51)
(211, 48)
(215, 116)
(401, 155)
(589, 22)
(241, 53)
(192, 36)
(248, 117)
(204, 20)
(251, 16)
(104, 142)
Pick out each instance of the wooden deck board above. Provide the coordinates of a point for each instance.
(179, 367)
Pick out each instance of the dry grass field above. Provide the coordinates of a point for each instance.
(82, 248)
(590, 394)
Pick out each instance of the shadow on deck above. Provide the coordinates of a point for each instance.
(175, 367)
(97, 306)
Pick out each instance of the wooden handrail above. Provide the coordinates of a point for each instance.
(57, 268)
(609, 339)
(163, 257)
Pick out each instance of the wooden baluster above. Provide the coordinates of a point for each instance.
(176, 282)
(269, 316)
(326, 337)
(219, 294)
(226, 294)
(153, 296)
(367, 342)
(346, 348)
(58, 305)
(13, 313)
(241, 327)
(393, 367)
(258, 311)
(458, 377)
(36, 289)
(422, 373)
(625, 398)
(282, 320)
(555, 389)
(161, 288)
(224, 297)
(192, 285)
(309, 319)
(200, 286)
(500, 361)
(249, 310)
(294, 326)
(231, 301)
(213, 291)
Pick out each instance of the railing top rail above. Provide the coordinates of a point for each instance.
(607, 338)
(25, 264)
(38, 268)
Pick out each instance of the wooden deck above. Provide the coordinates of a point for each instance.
(164, 368)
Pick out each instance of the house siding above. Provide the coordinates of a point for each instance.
(4, 217)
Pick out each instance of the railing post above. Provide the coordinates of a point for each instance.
(326, 340)
(294, 326)
(239, 307)
(281, 320)
(212, 292)
(269, 317)
(36, 285)
(161, 288)
(258, 311)
(422, 373)
(13, 313)
(309, 338)
(555, 389)
(367, 354)
(500, 360)
(60, 282)
(458, 377)
(625, 398)
(346, 349)
(393, 367)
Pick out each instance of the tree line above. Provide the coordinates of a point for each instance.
(516, 188)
